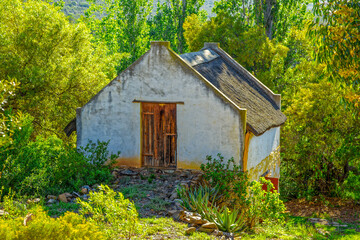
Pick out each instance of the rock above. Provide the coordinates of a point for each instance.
(63, 197)
(51, 197)
(129, 172)
(51, 201)
(206, 230)
(190, 230)
(35, 200)
(28, 218)
(174, 214)
(75, 194)
(195, 220)
(217, 233)
(209, 225)
(114, 173)
(319, 221)
(336, 224)
(174, 195)
(2, 212)
(169, 171)
(84, 190)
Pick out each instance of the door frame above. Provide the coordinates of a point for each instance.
(142, 131)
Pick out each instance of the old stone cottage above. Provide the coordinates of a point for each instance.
(170, 110)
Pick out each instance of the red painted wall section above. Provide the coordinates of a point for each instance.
(274, 181)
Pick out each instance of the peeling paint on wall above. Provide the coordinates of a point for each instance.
(129, 161)
(271, 162)
(189, 164)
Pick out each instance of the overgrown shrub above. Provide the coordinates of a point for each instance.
(351, 187)
(114, 214)
(230, 201)
(48, 166)
(264, 205)
(41, 226)
(228, 178)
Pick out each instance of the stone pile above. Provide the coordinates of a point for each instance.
(199, 224)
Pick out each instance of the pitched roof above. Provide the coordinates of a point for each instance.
(263, 112)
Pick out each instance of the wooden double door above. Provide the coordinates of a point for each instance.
(159, 134)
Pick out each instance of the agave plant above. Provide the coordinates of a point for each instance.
(229, 221)
(194, 198)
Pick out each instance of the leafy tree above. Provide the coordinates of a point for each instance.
(121, 25)
(275, 16)
(168, 22)
(251, 48)
(53, 61)
(316, 140)
(336, 33)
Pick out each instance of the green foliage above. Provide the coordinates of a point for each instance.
(60, 208)
(264, 206)
(195, 198)
(227, 182)
(316, 141)
(14, 208)
(249, 46)
(53, 61)
(228, 178)
(351, 187)
(41, 226)
(336, 34)
(115, 215)
(167, 24)
(121, 26)
(48, 166)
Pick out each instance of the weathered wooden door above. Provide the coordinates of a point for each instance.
(159, 134)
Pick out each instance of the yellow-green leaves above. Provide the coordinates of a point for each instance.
(53, 60)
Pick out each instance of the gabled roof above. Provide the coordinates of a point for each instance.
(231, 82)
(263, 107)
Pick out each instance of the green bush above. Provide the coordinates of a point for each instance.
(228, 178)
(41, 226)
(48, 166)
(229, 200)
(114, 214)
(264, 205)
(351, 187)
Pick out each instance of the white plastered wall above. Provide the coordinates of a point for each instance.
(206, 124)
(264, 154)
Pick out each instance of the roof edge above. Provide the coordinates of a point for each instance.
(216, 90)
(216, 47)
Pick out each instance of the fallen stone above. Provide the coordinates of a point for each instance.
(2, 212)
(51, 197)
(35, 200)
(129, 172)
(336, 224)
(209, 225)
(190, 230)
(319, 221)
(62, 197)
(197, 220)
(51, 201)
(206, 230)
(217, 233)
(84, 190)
(75, 194)
(174, 195)
(174, 214)
(28, 218)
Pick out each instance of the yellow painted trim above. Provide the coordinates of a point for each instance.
(246, 150)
